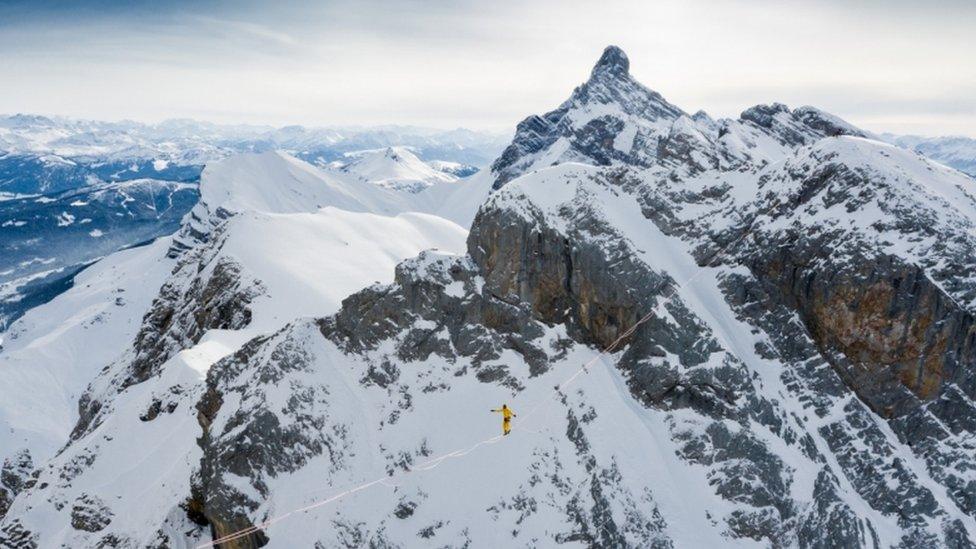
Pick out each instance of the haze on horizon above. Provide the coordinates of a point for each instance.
(885, 66)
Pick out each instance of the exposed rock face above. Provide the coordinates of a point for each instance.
(480, 325)
(565, 277)
(688, 147)
(181, 315)
(14, 475)
(90, 514)
(891, 328)
(801, 126)
(206, 291)
(14, 535)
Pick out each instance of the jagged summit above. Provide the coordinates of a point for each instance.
(613, 61)
(611, 118)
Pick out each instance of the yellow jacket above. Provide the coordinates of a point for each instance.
(506, 412)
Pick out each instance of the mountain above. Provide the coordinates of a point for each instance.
(278, 182)
(741, 332)
(398, 168)
(958, 152)
(454, 168)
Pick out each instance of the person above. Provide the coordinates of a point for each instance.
(507, 415)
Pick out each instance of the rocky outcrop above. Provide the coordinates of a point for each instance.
(564, 277)
(688, 148)
(893, 332)
(206, 291)
(217, 295)
(450, 293)
(217, 299)
(801, 126)
(90, 514)
(14, 476)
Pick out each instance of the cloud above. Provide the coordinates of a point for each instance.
(243, 29)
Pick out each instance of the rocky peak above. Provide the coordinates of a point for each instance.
(613, 62)
(705, 120)
(610, 83)
(609, 119)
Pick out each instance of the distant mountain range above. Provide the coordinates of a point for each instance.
(39, 154)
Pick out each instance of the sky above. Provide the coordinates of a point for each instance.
(888, 66)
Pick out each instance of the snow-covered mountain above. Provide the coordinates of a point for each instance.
(741, 332)
(956, 151)
(278, 182)
(398, 168)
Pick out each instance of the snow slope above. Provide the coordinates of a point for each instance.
(51, 354)
(460, 201)
(278, 182)
(309, 262)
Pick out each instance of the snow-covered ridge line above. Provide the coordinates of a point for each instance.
(275, 182)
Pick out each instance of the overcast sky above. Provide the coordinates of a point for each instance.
(896, 65)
